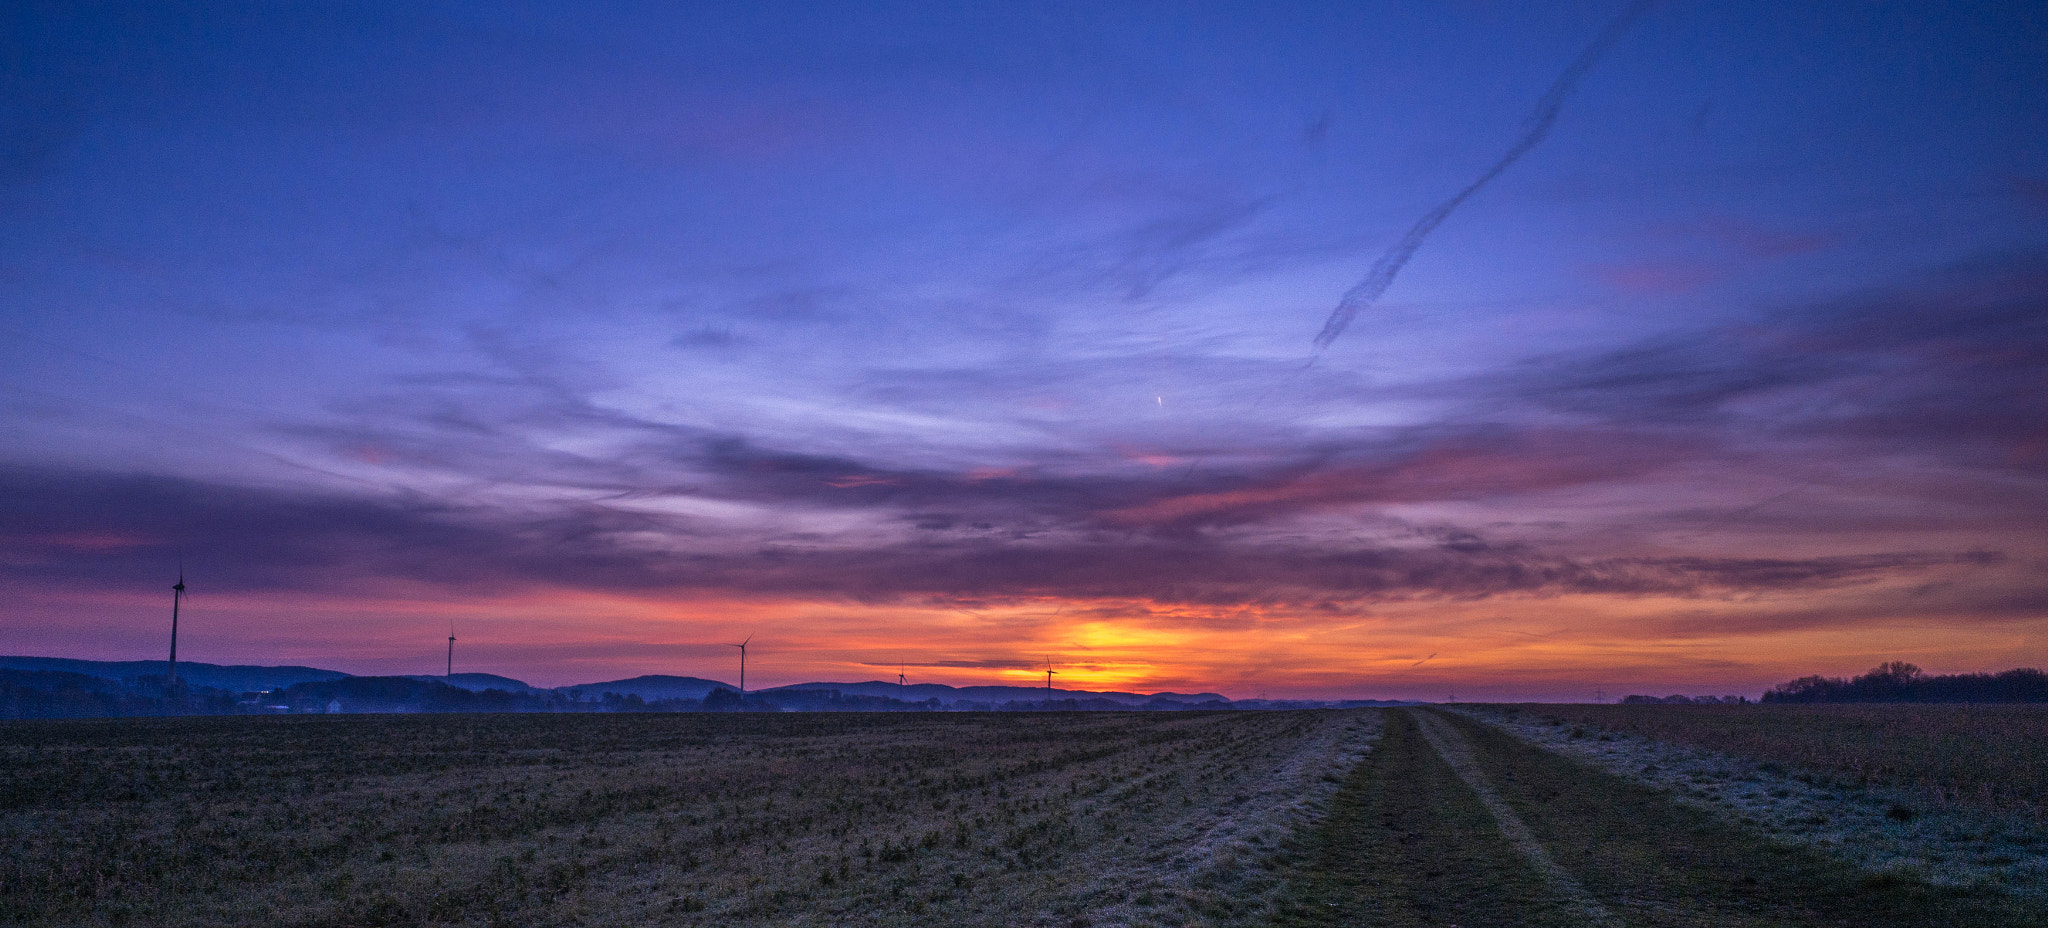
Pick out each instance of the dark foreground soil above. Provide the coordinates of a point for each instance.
(1057, 820)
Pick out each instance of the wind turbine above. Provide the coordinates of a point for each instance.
(177, 594)
(743, 664)
(1048, 679)
(900, 680)
(451, 647)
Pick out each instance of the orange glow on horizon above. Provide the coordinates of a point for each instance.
(1561, 647)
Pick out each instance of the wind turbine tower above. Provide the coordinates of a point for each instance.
(451, 649)
(177, 594)
(743, 664)
(1048, 679)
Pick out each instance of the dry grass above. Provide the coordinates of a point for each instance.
(955, 819)
(1992, 758)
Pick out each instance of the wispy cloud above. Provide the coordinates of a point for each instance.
(1368, 291)
(269, 540)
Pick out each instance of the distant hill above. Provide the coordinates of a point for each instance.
(244, 678)
(61, 694)
(238, 678)
(407, 694)
(55, 686)
(995, 695)
(1322, 703)
(649, 687)
(478, 682)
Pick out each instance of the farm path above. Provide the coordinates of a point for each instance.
(1457, 753)
(1453, 822)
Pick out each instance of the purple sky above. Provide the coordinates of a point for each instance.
(957, 337)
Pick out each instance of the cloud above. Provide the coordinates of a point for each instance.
(1424, 465)
(1756, 240)
(1200, 230)
(1939, 381)
(1659, 278)
(252, 539)
(1948, 364)
(1535, 129)
(2029, 190)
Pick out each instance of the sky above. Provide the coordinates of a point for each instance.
(1349, 350)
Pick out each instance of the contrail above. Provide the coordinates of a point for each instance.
(1383, 272)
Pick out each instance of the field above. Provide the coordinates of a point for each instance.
(1989, 757)
(1452, 822)
(1405, 817)
(697, 819)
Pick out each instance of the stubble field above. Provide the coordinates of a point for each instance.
(1400, 818)
(1993, 758)
(699, 819)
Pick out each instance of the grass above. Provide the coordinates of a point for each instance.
(1406, 844)
(849, 819)
(1993, 758)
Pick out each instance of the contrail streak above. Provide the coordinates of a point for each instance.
(1383, 272)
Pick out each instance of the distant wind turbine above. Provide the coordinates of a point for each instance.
(451, 647)
(177, 595)
(1048, 679)
(743, 664)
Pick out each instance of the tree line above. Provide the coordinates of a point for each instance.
(1898, 681)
